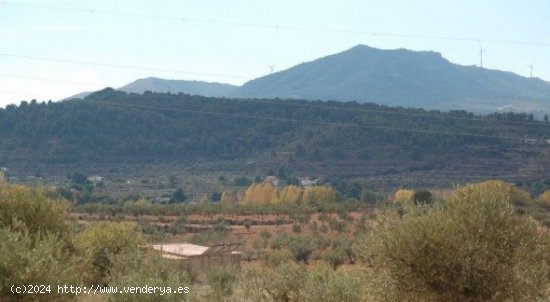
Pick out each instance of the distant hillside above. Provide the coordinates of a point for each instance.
(307, 136)
(174, 86)
(208, 89)
(402, 78)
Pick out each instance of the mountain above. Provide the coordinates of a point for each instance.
(209, 89)
(189, 87)
(397, 77)
(402, 78)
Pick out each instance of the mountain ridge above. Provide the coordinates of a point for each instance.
(397, 77)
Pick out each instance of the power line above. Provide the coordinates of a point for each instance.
(238, 115)
(121, 66)
(49, 80)
(276, 26)
(24, 93)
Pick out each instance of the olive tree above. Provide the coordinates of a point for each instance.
(473, 247)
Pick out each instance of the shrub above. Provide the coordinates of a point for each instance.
(284, 283)
(471, 248)
(247, 224)
(544, 198)
(403, 196)
(516, 196)
(279, 241)
(265, 235)
(301, 249)
(26, 260)
(221, 280)
(335, 258)
(33, 210)
(102, 244)
(139, 269)
(275, 258)
(296, 228)
(323, 285)
(423, 197)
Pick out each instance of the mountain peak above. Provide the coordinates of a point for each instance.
(399, 77)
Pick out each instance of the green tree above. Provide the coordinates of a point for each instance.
(221, 280)
(178, 196)
(473, 247)
(423, 197)
(301, 249)
(102, 244)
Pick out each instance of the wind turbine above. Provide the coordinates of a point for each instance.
(481, 51)
(530, 70)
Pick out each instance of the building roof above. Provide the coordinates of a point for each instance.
(185, 250)
(181, 249)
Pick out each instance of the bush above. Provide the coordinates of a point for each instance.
(33, 209)
(275, 258)
(247, 224)
(104, 243)
(140, 269)
(26, 260)
(335, 258)
(544, 198)
(516, 196)
(322, 285)
(296, 228)
(221, 280)
(35, 245)
(279, 241)
(471, 248)
(403, 196)
(423, 197)
(301, 249)
(283, 283)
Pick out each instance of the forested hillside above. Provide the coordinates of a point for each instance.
(113, 126)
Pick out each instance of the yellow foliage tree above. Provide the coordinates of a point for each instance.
(403, 196)
(319, 195)
(545, 197)
(290, 194)
(260, 194)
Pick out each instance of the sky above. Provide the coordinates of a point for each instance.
(50, 50)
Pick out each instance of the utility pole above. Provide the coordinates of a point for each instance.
(530, 70)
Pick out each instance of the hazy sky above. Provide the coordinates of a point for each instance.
(226, 41)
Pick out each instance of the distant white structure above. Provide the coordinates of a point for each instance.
(4, 169)
(274, 180)
(95, 179)
(308, 182)
(202, 258)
